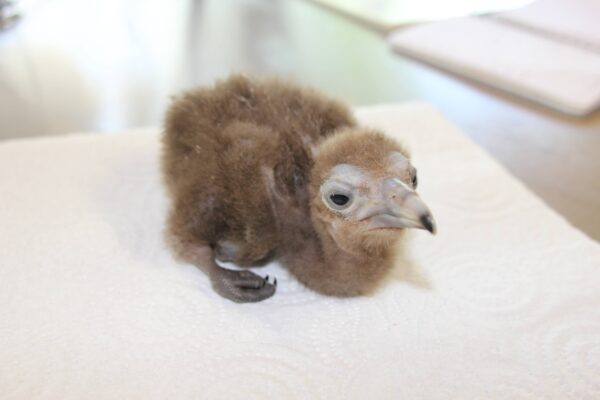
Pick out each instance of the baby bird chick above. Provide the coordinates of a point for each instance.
(261, 169)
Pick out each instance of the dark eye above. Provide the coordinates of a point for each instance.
(415, 181)
(339, 199)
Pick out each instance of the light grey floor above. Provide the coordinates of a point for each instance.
(82, 66)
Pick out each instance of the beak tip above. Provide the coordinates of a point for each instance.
(429, 224)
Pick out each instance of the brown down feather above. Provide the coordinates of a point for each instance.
(243, 162)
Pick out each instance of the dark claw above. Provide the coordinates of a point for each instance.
(241, 286)
(275, 282)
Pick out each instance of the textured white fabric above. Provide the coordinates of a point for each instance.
(504, 303)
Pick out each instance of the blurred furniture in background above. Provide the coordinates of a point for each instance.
(8, 15)
(385, 15)
(547, 52)
(103, 66)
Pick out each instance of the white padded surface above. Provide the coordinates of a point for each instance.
(504, 303)
(538, 67)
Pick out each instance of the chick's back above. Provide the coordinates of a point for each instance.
(230, 151)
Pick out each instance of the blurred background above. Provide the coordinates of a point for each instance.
(79, 66)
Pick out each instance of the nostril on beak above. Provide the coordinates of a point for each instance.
(428, 223)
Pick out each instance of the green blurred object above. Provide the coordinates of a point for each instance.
(384, 15)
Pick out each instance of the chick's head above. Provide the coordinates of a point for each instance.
(363, 190)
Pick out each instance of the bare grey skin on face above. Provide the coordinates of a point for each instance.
(384, 202)
(262, 169)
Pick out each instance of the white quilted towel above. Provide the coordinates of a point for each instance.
(504, 303)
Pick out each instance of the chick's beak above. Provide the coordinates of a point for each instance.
(416, 212)
(399, 207)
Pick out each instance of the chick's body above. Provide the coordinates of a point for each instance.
(230, 150)
(238, 159)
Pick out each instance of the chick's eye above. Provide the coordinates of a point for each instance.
(414, 181)
(339, 199)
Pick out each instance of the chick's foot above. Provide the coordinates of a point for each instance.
(242, 286)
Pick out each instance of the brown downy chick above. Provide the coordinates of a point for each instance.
(260, 169)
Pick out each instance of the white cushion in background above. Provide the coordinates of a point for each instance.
(504, 303)
(543, 68)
